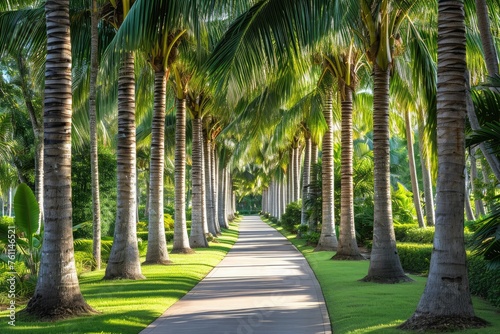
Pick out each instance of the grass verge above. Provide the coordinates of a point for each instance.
(128, 306)
(358, 307)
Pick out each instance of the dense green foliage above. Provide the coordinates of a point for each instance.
(292, 216)
(82, 192)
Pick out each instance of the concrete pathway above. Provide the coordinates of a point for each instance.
(263, 286)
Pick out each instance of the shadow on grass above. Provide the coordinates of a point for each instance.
(121, 322)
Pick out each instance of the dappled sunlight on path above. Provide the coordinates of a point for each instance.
(264, 285)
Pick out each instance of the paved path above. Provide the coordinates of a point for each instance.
(263, 286)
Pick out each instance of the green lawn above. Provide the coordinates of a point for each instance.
(360, 307)
(128, 306)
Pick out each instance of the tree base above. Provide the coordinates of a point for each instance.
(348, 257)
(123, 276)
(39, 309)
(324, 248)
(386, 280)
(160, 262)
(182, 251)
(426, 322)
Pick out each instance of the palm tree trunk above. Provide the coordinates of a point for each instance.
(296, 170)
(426, 173)
(328, 237)
(385, 266)
(478, 203)
(469, 214)
(222, 198)
(491, 158)
(215, 186)
(446, 301)
(413, 170)
(348, 247)
(94, 161)
(124, 261)
(181, 240)
(197, 238)
(306, 177)
(157, 244)
(209, 193)
(483, 23)
(57, 294)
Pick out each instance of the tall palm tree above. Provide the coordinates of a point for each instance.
(124, 261)
(162, 56)
(181, 240)
(94, 162)
(57, 293)
(328, 237)
(446, 301)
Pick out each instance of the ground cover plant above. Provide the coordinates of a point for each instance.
(358, 307)
(128, 306)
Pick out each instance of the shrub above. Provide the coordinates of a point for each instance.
(312, 238)
(142, 226)
(169, 235)
(292, 216)
(83, 231)
(483, 281)
(168, 221)
(85, 246)
(415, 257)
(401, 230)
(420, 235)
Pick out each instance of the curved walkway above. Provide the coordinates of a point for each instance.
(264, 285)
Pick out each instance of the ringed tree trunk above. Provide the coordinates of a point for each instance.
(385, 266)
(483, 22)
(413, 170)
(426, 171)
(306, 178)
(124, 261)
(328, 237)
(446, 302)
(215, 185)
(222, 197)
(181, 240)
(94, 161)
(478, 203)
(348, 247)
(197, 238)
(157, 244)
(57, 294)
(209, 193)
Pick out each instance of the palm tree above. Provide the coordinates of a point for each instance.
(181, 240)
(328, 237)
(124, 261)
(162, 56)
(57, 293)
(446, 301)
(96, 201)
(199, 220)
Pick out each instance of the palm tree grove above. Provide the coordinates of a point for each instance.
(249, 166)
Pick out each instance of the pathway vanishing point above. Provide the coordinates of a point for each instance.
(263, 286)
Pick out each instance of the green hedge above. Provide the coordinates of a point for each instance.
(415, 257)
(484, 282)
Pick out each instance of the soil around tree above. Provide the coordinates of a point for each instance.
(182, 251)
(348, 257)
(159, 262)
(39, 310)
(426, 322)
(386, 280)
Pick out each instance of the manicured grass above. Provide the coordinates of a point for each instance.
(359, 307)
(128, 306)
